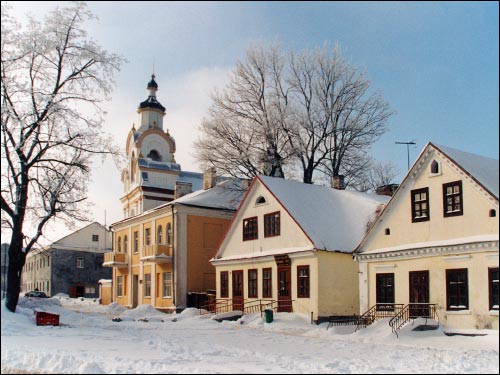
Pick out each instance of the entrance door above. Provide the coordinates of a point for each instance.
(135, 290)
(419, 293)
(238, 290)
(284, 288)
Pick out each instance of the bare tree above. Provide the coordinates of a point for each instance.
(371, 175)
(310, 108)
(53, 79)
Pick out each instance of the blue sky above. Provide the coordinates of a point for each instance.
(435, 63)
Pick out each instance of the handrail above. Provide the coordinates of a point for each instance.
(413, 311)
(217, 307)
(255, 305)
(377, 312)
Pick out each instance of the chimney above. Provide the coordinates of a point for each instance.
(209, 178)
(338, 182)
(388, 189)
(182, 188)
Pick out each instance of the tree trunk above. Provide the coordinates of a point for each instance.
(17, 259)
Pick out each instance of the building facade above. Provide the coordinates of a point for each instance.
(71, 265)
(162, 256)
(290, 246)
(436, 242)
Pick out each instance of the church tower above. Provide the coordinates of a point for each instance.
(152, 175)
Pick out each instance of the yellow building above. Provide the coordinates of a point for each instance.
(162, 255)
(434, 248)
(290, 247)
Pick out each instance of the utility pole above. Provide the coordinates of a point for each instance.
(407, 149)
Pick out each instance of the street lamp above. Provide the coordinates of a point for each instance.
(407, 149)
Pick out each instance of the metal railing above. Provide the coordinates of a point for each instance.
(258, 306)
(217, 307)
(377, 312)
(413, 311)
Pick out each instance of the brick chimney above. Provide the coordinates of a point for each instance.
(388, 189)
(182, 188)
(209, 178)
(338, 182)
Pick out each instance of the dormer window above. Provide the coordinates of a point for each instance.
(260, 200)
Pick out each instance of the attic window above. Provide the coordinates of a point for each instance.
(493, 213)
(387, 231)
(260, 200)
(435, 168)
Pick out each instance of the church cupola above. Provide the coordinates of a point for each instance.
(151, 110)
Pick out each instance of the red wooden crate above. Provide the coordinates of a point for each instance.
(46, 319)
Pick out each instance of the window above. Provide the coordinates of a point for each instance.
(260, 200)
(385, 289)
(303, 281)
(147, 285)
(267, 283)
(125, 243)
(154, 155)
(119, 245)
(145, 176)
(252, 283)
(272, 224)
(457, 289)
(387, 231)
(250, 230)
(452, 199)
(95, 238)
(80, 262)
(493, 213)
(420, 205)
(119, 286)
(147, 236)
(169, 234)
(224, 284)
(434, 167)
(493, 286)
(159, 235)
(136, 242)
(167, 284)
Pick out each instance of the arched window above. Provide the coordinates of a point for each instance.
(493, 213)
(119, 244)
(169, 234)
(159, 235)
(434, 167)
(125, 244)
(154, 155)
(260, 200)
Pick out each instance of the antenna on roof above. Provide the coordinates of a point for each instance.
(407, 149)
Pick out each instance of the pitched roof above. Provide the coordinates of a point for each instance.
(484, 170)
(332, 219)
(226, 195)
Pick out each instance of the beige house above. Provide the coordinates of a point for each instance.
(435, 245)
(290, 246)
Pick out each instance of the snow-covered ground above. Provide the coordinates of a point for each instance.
(89, 341)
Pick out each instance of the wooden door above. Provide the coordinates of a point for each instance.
(135, 290)
(238, 290)
(419, 293)
(284, 289)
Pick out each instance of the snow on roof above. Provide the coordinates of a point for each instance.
(483, 169)
(333, 219)
(225, 195)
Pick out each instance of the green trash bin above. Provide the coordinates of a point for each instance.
(269, 315)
